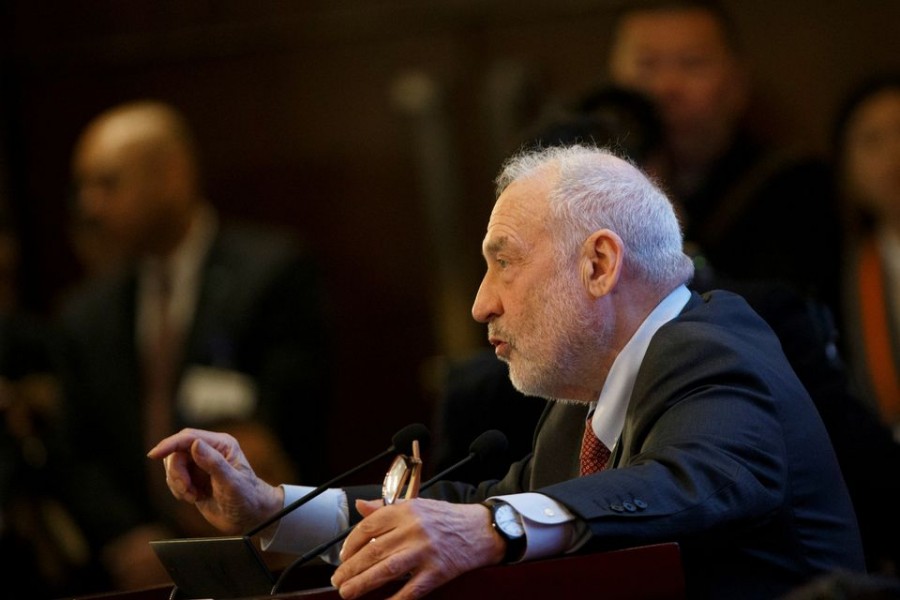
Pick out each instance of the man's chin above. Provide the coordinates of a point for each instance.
(528, 388)
(535, 390)
(521, 386)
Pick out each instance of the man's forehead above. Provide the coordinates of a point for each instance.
(662, 28)
(525, 198)
(520, 211)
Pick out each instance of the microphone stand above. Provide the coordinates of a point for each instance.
(316, 492)
(401, 439)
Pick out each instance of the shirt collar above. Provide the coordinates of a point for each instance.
(609, 414)
(188, 256)
(183, 269)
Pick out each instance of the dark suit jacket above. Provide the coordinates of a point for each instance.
(722, 451)
(258, 312)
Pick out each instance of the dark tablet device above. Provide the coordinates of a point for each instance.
(219, 567)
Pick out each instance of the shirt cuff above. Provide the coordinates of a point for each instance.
(311, 524)
(550, 529)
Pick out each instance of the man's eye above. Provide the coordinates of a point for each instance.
(502, 263)
(646, 65)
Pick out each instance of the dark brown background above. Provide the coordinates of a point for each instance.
(292, 103)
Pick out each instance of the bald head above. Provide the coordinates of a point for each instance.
(135, 172)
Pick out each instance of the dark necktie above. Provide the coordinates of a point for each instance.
(162, 358)
(159, 367)
(594, 453)
(159, 372)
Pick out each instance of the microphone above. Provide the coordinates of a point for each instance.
(401, 442)
(486, 446)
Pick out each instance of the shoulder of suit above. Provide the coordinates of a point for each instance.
(257, 249)
(715, 319)
(255, 258)
(257, 241)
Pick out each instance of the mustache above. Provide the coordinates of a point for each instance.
(495, 331)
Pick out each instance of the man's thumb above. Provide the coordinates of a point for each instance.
(367, 507)
(206, 457)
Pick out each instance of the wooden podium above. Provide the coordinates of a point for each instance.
(643, 573)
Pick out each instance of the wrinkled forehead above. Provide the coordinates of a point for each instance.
(527, 196)
(521, 213)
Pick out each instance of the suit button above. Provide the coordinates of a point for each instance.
(617, 507)
(629, 506)
(640, 503)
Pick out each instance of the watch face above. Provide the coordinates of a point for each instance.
(509, 521)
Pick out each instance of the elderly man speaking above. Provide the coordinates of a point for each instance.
(672, 416)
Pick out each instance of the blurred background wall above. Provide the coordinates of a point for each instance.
(359, 125)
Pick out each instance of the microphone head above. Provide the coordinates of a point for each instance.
(489, 445)
(403, 439)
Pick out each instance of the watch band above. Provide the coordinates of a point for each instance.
(515, 542)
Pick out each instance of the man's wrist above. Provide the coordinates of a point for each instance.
(508, 526)
(549, 525)
(271, 499)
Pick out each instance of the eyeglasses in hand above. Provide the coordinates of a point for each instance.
(404, 471)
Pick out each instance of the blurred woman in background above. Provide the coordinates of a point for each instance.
(867, 140)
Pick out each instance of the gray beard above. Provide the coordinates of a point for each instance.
(569, 401)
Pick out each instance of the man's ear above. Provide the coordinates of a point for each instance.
(601, 262)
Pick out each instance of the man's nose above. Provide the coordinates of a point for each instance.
(89, 201)
(487, 304)
(665, 85)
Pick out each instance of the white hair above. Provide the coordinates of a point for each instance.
(595, 190)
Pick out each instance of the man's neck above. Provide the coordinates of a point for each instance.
(180, 232)
(193, 230)
(631, 305)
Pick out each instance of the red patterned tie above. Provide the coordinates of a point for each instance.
(594, 453)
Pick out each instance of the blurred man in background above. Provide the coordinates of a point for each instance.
(191, 323)
(750, 209)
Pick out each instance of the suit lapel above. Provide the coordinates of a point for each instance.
(206, 343)
(557, 444)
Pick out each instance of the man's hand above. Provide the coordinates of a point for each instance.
(433, 541)
(209, 470)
